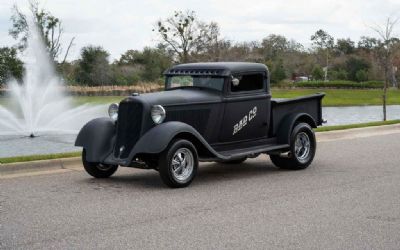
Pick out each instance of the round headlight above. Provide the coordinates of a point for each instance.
(113, 111)
(157, 114)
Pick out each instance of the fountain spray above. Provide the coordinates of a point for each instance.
(39, 104)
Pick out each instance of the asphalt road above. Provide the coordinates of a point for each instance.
(349, 198)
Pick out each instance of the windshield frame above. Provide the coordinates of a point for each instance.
(221, 89)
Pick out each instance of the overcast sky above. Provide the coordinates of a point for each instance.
(120, 25)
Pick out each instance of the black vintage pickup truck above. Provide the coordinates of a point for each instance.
(219, 112)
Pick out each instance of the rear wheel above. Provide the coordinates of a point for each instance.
(96, 169)
(178, 164)
(302, 149)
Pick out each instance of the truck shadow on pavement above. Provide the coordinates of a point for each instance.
(208, 173)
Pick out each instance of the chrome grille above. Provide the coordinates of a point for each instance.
(129, 126)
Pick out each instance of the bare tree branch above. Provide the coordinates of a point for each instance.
(49, 26)
(384, 53)
(184, 34)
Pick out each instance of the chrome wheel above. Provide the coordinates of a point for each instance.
(302, 147)
(182, 164)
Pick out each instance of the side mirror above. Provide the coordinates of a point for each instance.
(235, 81)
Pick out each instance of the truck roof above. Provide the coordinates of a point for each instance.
(215, 68)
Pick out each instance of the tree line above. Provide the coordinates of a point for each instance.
(183, 38)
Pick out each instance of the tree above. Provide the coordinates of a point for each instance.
(155, 63)
(130, 57)
(368, 43)
(317, 73)
(355, 64)
(278, 74)
(184, 34)
(124, 74)
(10, 65)
(151, 62)
(94, 68)
(274, 46)
(324, 42)
(50, 27)
(212, 47)
(345, 46)
(385, 53)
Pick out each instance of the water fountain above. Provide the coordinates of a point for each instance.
(39, 106)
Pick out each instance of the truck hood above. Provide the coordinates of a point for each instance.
(179, 97)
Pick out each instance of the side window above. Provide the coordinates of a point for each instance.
(248, 82)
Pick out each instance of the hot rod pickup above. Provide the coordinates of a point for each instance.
(219, 112)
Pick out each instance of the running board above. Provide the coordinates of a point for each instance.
(244, 152)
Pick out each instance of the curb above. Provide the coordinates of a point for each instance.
(76, 163)
(353, 133)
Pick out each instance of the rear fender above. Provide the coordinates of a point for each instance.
(288, 123)
(97, 137)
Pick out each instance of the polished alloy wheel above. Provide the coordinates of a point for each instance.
(182, 164)
(302, 147)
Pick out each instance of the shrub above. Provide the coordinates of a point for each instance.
(125, 75)
(317, 73)
(341, 84)
(338, 75)
(362, 75)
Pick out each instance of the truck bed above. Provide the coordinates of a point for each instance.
(310, 104)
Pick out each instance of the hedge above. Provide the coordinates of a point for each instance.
(340, 84)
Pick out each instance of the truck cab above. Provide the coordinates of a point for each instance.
(220, 112)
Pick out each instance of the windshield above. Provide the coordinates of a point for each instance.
(210, 82)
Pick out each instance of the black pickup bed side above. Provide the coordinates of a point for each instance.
(281, 108)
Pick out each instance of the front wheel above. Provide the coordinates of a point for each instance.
(178, 164)
(96, 169)
(302, 149)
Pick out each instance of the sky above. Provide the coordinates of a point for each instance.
(120, 25)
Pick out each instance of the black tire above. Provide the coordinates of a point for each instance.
(178, 164)
(96, 169)
(236, 161)
(300, 159)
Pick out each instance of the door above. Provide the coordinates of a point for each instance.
(247, 107)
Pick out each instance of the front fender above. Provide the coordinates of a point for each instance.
(97, 137)
(157, 139)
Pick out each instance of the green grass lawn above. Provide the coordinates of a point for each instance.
(343, 97)
(38, 157)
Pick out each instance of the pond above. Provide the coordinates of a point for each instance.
(358, 114)
(11, 145)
